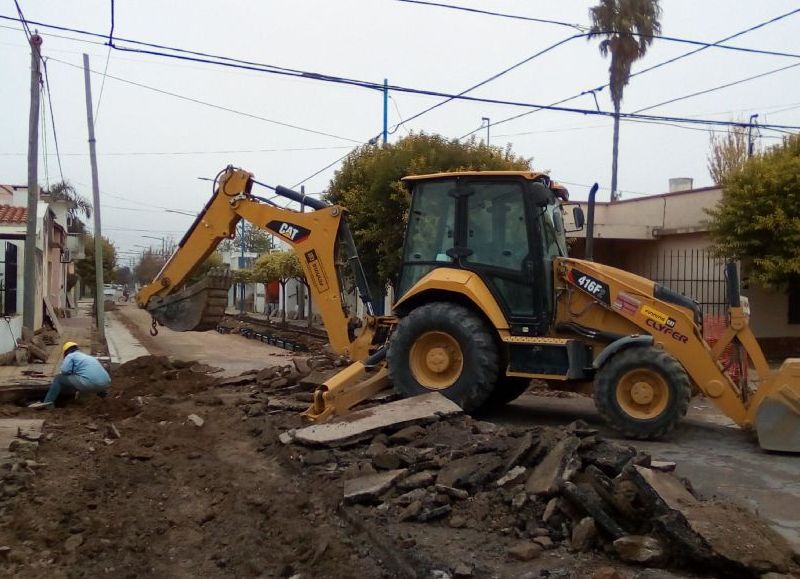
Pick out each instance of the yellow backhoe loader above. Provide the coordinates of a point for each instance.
(488, 300)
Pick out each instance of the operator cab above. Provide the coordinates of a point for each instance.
(505, 226)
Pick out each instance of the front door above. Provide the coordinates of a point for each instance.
(499, 242)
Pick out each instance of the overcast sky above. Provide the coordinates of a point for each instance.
(153, 147)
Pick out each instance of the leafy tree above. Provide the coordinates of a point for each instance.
(728, 153)
(280, 266)
(255, 240)
(85, 267)
(123, 276)
(758, 218)
(213, 260)
(627, 28)
(368, 185)
(150, 263)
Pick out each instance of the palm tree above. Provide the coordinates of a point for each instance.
(627, 28)
(77, 205)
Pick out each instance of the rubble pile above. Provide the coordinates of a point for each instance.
(535, 489)
(286, 387)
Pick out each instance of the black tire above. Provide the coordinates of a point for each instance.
(479, 361)
(507, 389)
(646, 360)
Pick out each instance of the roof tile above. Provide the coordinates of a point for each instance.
(14, 215)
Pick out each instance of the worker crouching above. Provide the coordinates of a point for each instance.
(79, 373)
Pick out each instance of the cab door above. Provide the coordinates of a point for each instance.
(497, 231)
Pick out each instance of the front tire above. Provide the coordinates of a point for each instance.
(447, 348)
(642, 392)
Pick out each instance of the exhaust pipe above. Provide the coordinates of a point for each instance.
(590, 223)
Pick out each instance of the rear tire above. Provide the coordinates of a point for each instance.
(642, 392)
(507, 389)
(447, 348)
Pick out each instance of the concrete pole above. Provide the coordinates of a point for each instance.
(385, 132)
(29, 303)
(98, 237)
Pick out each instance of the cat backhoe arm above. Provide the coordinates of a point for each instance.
(319, 238)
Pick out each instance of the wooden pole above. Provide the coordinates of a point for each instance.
(29, 304)
(98, 237)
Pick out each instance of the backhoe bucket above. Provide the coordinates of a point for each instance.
(199, 307)
(778, 415)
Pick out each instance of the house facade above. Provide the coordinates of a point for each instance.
(665, 238)
(55, 251)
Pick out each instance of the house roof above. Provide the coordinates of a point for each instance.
(13, 215)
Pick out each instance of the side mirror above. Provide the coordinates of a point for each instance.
(578, 217)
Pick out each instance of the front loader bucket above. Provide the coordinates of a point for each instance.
(778, 415)
(197, 308)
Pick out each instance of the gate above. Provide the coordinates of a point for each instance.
(699, 275)
(695, 273)
(8, 283)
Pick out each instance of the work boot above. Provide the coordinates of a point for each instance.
(41, 405)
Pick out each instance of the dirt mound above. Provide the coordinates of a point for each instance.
(166, 478)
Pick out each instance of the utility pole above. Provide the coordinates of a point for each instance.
(29, 295)
(98, 237)
(241, 266)
(385, 111)
(488, 124)
(751, 142)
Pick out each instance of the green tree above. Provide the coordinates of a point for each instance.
(627, 28)
(85, 267)
(758, 218)
(213, 260)
(728, 153)
(368, 185)
(123, 276)
(256, 240)
(280, 266)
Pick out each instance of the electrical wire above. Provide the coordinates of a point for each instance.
(498, 14)
(52, 119)
(43, 119)
(164, 153)
(645, 70)
(209, 104)
(24, 22)
(719, 87)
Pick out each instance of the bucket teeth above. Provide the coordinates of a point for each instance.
(198, 307)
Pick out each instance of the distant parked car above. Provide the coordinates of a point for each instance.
(108, 291)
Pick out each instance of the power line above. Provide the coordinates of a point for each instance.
(212, 105)
(52, 119)
(24, 22)
(720, 87)
(499, 14)
(160, 153)
(645, 70)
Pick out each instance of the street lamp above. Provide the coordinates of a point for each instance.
(488, 124)
(163, 241)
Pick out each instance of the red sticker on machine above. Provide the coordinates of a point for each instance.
(626, 302)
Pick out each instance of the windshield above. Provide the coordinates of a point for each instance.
(431, 230)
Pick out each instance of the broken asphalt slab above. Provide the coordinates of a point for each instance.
(353, 427)
(367, 489)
